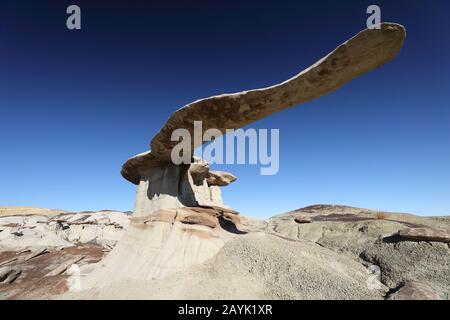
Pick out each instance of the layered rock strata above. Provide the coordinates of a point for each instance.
(179, 217)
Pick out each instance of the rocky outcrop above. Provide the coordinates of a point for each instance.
(180, 222)
(42, 274)
(425, 234)
(176, 186)
(199, 170)
(329, 258)
(60, 229)
(9, 275)
(170, 253)
(206, 216)
(359, 234)
(179, 217)
(28, 211)
(165, 242)
(302, 219)
(220, 178)
(364, 52)
(414, 291)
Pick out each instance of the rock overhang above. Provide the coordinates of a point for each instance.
(364, 52)
(133, 170)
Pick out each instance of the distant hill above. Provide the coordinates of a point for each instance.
(17, 210)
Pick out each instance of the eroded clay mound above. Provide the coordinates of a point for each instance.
(43, 273)
(37, 228)
(411, 252)
(212, 252)
(167, 241)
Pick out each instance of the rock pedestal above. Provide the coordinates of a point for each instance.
(179, 216)
(179, 220)
(172, 186)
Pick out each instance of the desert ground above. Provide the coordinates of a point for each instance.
(317, 252)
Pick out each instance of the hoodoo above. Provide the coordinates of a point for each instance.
(179, 217)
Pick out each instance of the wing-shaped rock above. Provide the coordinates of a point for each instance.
(366, 51)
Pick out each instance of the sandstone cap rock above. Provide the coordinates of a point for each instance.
(365, 52)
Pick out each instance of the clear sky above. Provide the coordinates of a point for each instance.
(74, 105)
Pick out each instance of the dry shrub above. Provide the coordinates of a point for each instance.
(381, 215)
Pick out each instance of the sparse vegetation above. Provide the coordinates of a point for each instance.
(380, 215)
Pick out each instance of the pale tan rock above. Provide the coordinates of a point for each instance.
(180, 237)
(166, 215)
(172, 186)
(425, 234)
(36, 231)
(365, 52)
(414, 291)
(199, 218)
(163, 243)
(220, 178)
(63, 267)
(35, 254)
(9, 275)
(199, 171)
(3, 263)
(216, 194)
(19, 210)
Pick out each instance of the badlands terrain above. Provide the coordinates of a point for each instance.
(183, 242)
(318, 252)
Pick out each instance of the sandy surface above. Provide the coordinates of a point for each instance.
(16, 210)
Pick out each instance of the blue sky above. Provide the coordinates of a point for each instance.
(74, 105)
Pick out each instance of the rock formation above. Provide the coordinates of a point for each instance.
(22, 228)
(171, 228)
(180, 223)
(414, 291)
(425, 234)
(164, 185)
(326, 258)
(183, 242)
(165, 242)
(365, 52)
